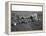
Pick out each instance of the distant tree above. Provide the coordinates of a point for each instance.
(31, 17)
(22, 17)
